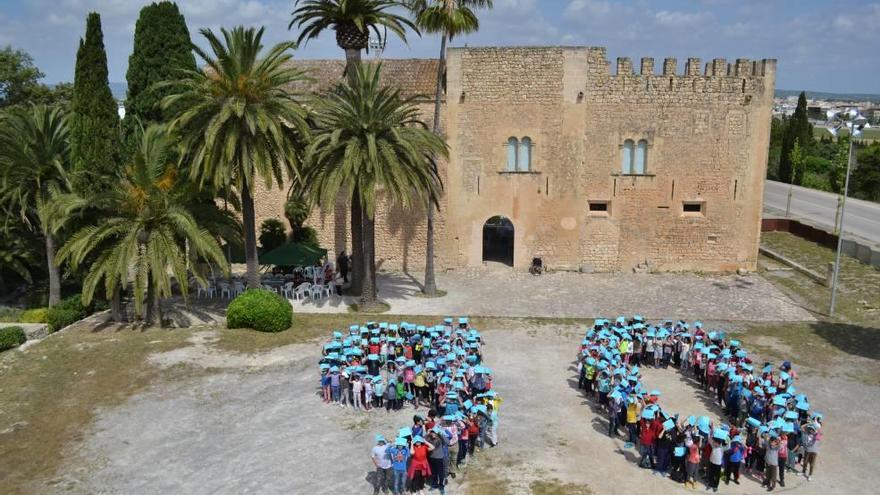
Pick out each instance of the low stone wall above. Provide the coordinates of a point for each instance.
(861, 250)
(816, 276)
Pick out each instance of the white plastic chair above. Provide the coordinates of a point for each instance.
(238, 288)
(225, 290)
(269, 287)
(287, 290)
(309, 272)
(328, 289)
(209, 290)
(303, 291)
(317, 291)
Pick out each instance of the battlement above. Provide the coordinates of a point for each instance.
(743, 76)
(718, 67)
(582, 73)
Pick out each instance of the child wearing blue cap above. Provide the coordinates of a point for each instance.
(692, 459)
(810, 440)
(368, 392)
(419, 469)
(783, 454)
(325, 386)
(335, 384)
(716, 461)
(735, 456)
(399, 456)
(390, 395)
(771, 444)
(357, 386)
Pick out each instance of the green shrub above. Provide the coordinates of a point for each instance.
(11, 337)
(37, 315)
(8, 314)
(307, 236)
(67, 312)
(261, 310)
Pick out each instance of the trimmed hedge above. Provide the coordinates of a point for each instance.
(67, 312)
(11, 337)
(260, 310)
(38, 315)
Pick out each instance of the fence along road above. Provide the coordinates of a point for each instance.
(820, 207)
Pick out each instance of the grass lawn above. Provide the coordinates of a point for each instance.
(828, 345)
(49, 393)
(858, 297)
(871, 134)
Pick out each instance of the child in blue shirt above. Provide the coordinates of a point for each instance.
(399, 455)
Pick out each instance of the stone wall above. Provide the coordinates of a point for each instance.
(707, 133)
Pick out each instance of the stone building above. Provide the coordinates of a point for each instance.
(554, 155)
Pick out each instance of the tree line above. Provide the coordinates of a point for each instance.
(141, 208)
(798, 157)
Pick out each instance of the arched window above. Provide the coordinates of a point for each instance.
(626, 164)
(641, 161)
(512, 147)
(524, 162)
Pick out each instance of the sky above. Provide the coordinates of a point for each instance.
(821, 45)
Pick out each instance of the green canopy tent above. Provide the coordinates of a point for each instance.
(293, 254)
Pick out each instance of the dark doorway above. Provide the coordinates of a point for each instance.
(498, 240)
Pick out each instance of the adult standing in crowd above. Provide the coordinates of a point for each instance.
(382, 461)
(342, 262)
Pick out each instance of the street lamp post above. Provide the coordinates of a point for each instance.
(855, 122)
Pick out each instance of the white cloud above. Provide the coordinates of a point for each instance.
(590, 8)
(737, 30)
(673, 19)
(844, 22)
(62, 19)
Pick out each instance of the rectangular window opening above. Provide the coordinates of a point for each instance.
(600, 208)
(694, 208)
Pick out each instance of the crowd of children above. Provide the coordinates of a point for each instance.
(769, 428)
(390, 366)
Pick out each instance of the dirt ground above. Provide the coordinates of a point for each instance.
(254, 424)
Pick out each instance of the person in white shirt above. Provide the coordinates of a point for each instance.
(380, 459)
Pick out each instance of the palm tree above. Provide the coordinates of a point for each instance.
(352, 20)
(238, 121)
(368, 139)
(450, 18)
(144, 232)
(34, 152)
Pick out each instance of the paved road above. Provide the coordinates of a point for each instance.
(862, 218)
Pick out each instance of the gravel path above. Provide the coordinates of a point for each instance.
(257, 426)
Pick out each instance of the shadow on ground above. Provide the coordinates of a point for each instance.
(851, 339)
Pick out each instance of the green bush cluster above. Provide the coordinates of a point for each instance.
(11, 337)
(8, 314)
(260, 310)
(67, 312)
(36, 315)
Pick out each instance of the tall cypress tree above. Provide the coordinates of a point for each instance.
(94, 132)
(801, 131)
(162, 48)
